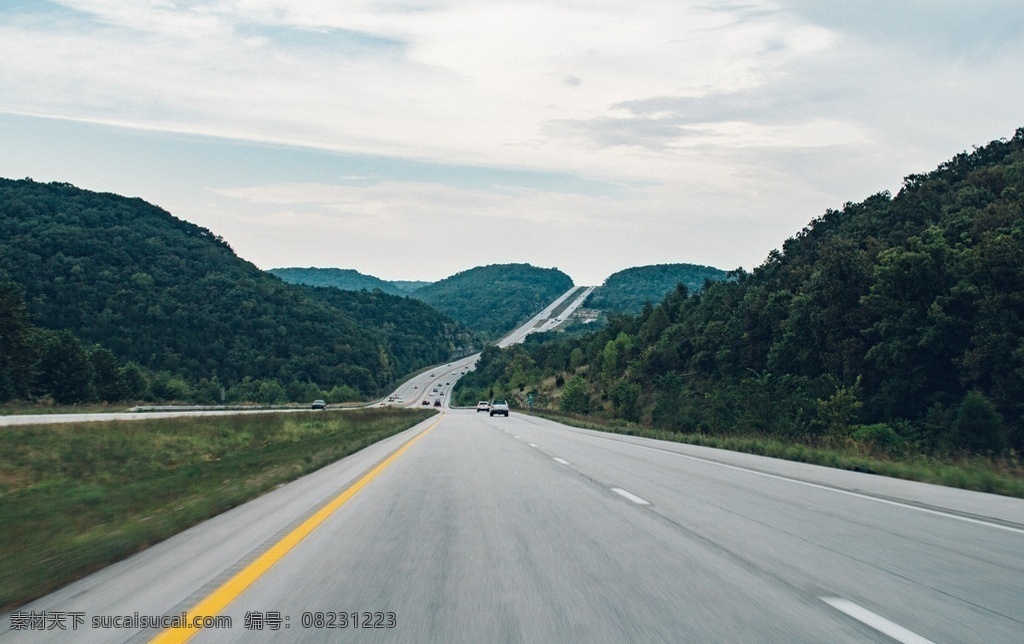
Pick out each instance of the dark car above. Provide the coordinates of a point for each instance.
(425, 402)
(437, 403)
(319, 404)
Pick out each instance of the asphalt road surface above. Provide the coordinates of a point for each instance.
(521, 530)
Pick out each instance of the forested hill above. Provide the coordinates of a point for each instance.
(628, 290)
(494, 299)
(173, 297)
(896, 322)
(344, 278)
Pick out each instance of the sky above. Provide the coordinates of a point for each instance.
(413, 139)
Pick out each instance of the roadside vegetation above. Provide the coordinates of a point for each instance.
(890, 330)
(77, 497)
(996, 475)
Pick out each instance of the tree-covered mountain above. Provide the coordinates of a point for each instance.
(628, 290)
(344, 278)
(172, 297)
(494, 299)
(408, 286)
(896, 322)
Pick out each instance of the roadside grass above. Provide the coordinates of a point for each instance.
(20, 408)
(77, 497)
(1003, 475)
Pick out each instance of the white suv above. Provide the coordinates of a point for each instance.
(498, 407)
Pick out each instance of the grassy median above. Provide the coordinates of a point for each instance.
(77, 497)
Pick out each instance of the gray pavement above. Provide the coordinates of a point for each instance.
(523, 530)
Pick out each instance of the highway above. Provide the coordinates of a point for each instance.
(435, 384)
(523, 530)
(469, 528)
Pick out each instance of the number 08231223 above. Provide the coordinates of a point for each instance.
(354, 619)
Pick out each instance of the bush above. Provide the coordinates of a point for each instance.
(878, 438)
(575, 399)
(978, 426)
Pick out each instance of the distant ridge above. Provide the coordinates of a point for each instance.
(494, 299)
(345, 279)
(628, 290)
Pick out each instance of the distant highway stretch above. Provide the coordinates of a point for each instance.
(435, 384)
(522, 530)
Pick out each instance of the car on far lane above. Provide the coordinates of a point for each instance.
(319, 404)
(498, 407)
(483, 405)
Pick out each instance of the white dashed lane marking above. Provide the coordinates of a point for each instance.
(877, 622)
(629, 495)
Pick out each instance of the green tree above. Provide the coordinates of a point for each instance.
(16, 350)
(575, 397)
(106, 375)
(615, 356)
(836, 414)
(165, 387)
(978, 426)
(134, 383)
(625, 397)
(63, 370)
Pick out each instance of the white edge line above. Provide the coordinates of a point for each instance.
(629, 495)
(876, 622)
(948, 515)
(532, 444)
(561, 460)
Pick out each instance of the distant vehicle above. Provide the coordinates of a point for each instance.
(426, 402)
(319, 404)
(437, 403)
(483, 405)
(498, 407)
(399, 400)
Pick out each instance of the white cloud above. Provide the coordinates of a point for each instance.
(763, 112)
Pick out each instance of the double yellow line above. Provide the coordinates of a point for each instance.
(219, 599)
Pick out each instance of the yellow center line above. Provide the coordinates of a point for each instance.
(219, 599)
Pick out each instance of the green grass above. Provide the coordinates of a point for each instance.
(19, 408)
(77, 497)
(1003, 476)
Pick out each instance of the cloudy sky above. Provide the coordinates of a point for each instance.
(412, 139)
